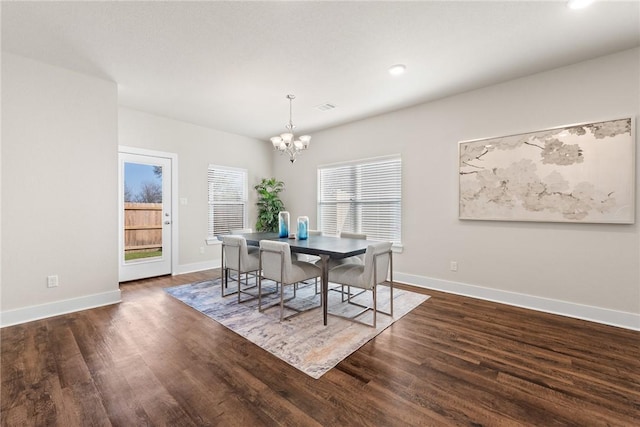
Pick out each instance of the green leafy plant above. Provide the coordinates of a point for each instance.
(269, 204)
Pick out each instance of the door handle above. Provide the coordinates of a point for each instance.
(167, 222)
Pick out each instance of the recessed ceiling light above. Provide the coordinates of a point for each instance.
(579, 4)
(397, 69)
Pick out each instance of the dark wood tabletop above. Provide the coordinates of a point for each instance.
(334, 247)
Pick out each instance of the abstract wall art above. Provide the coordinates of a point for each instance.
(575, 173)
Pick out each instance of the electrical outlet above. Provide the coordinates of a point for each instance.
(52, 281)
(453, 266)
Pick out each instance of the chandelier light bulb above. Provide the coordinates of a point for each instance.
(305, 140)
(286, 137)
(276, 140)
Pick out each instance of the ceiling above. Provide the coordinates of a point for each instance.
(230, 65)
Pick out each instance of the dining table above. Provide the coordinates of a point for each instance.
(326, 247)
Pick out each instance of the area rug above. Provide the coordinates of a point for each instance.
(301, 341)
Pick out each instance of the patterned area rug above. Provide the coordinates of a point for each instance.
(301, 341)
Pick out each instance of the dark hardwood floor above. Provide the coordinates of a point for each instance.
(151, 360)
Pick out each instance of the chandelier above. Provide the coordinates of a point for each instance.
(287, 142)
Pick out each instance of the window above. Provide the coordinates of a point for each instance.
(227, 199)
(362, 197)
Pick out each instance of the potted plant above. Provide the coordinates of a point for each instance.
(269, 204)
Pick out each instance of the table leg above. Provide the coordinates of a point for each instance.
(325, 286)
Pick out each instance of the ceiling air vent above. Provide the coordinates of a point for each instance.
(325, 107)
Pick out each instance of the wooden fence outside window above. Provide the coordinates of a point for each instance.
(142, 227)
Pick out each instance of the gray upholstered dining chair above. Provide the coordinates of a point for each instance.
(251, 249)
(276, 264)
(357, 259)
(311, 258)
(241, 230)
(349, 235)
(236, 257)
(378, 262)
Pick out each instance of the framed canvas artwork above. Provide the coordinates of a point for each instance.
(575, 173)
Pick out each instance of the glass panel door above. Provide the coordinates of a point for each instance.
(142, 211)
(145, 216)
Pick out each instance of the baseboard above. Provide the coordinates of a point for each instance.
(579, 311)
(42, 311)
(197, 266)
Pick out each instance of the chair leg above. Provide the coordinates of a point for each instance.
(225, 280)
(391, 297)
(259, 279)
(375, 304)
(282, 302)
(226, 277)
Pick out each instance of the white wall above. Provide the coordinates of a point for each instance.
(59, 164)
(584, 270)
(196, 147)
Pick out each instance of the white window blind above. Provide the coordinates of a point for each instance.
(227, 199)
(362, 197)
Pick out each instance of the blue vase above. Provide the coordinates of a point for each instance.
(283, 224)
(303, 227)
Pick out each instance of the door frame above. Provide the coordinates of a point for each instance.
(173, 158)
